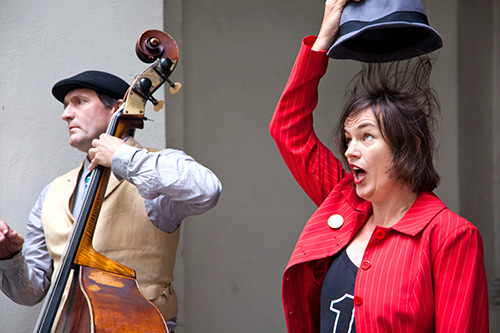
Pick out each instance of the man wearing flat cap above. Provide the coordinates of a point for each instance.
(149, 193)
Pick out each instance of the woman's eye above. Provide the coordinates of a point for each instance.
(368, 137)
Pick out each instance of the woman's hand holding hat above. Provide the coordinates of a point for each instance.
(330, 25)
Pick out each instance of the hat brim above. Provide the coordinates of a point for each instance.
(60, 91)
(386, 41)
(101, 82)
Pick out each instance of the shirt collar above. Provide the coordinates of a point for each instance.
(420, 214)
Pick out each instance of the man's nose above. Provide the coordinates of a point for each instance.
(68, 113)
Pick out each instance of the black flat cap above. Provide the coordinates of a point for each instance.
(104, 83)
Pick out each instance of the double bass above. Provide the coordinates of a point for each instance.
(102, 295)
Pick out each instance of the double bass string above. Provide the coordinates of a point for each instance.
(63, 271)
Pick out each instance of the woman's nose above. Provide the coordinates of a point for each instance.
(352, 150)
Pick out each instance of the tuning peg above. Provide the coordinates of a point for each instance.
(159, 105)
(175, 88)
(144, 85)
(165, 65)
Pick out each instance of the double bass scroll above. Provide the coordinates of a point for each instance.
(158, 47)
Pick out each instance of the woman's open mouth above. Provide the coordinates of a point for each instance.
(359, 174)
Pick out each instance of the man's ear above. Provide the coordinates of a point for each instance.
(118, 104)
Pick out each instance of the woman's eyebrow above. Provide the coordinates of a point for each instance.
(362, 125)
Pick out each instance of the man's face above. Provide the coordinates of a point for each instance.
(86, 116)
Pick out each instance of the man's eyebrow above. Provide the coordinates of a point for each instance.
(71, 98)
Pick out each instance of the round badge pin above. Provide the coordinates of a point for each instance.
(335, 221)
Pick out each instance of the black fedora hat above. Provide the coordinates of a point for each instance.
(102, 82)
(384, 30)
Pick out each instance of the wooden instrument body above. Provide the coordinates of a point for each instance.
(92, 305)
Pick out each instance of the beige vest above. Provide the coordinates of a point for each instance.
(123, 233)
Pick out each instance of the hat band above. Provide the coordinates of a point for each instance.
(410, 17)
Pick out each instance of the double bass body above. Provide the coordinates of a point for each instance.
(99, 301)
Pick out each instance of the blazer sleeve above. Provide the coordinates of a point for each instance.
(312, 164)
(460, 282)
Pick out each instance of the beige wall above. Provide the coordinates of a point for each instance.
(235, 60)
(42, 42)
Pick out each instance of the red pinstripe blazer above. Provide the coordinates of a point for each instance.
(424, 274)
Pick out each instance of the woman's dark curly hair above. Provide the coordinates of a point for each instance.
(406, 109)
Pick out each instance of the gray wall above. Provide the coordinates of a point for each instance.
(479, 119)
(235, 60)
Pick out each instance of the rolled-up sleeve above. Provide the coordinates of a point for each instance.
(171, 182)
(25, 278)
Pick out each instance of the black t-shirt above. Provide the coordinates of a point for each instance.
(337, 293)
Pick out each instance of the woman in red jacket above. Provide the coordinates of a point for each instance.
(381, 253)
